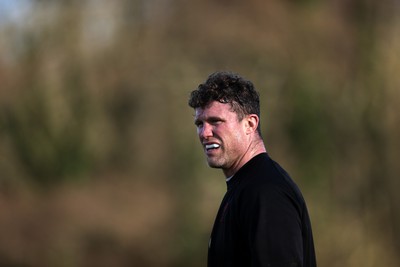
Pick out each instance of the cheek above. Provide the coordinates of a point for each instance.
(238, 131)
(236, 136)
(239, 140)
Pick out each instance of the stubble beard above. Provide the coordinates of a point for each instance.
(214, 164)
(217, 162)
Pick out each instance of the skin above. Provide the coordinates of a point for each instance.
(238, 140)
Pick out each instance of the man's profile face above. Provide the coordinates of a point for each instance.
(221, 134)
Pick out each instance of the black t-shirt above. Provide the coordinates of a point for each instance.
(262, 221)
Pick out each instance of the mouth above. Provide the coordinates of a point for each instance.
(211, 146)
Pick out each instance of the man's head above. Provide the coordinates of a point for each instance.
(228, 88)
(227, 119)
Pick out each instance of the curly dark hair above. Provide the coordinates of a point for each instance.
(228, 87)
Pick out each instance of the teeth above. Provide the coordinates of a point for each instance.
(212, 146)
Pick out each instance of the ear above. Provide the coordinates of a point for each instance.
(252, 121)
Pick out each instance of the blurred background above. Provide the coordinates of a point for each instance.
(99, 159)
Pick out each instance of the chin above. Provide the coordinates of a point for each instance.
(216, 165)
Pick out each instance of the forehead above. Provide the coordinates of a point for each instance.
(215, 109)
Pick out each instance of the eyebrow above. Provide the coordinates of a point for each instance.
(208, 119)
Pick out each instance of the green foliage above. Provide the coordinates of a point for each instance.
(97, 90)
(308, 126)
(50, 150)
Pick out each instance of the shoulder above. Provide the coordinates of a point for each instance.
(262, 173)
(266, 181)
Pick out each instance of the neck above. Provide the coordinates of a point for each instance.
(255, 149)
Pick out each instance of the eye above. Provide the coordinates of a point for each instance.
(215, 121)
(198, 124)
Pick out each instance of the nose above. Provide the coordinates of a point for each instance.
(205, 131)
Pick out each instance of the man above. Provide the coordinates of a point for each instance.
(263, 218)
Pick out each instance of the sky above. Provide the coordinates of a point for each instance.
(13, 10)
